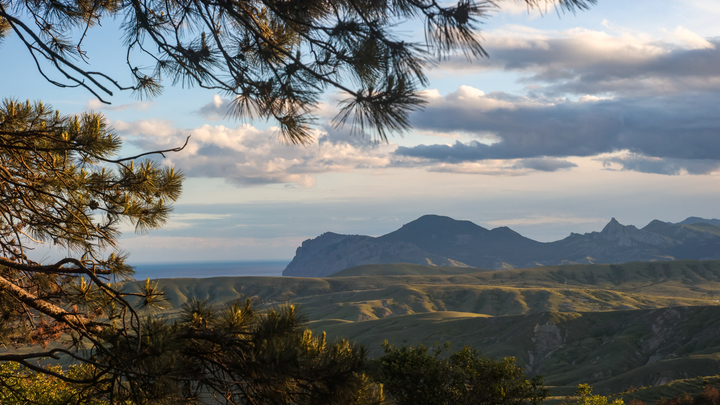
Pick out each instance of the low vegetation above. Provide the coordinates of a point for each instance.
(636, 330)
(584, 396)
(616, 327)
(21, 386)
(413, 375)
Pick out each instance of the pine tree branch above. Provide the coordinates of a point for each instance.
(76, 321)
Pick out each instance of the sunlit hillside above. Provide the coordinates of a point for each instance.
(614, 326)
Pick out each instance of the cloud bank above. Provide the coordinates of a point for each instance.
(635, 102)
(588, 93)
(683, 130)
(581, 61)
(246, 155)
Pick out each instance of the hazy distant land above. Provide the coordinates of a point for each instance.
(263, 268)
(444, 241)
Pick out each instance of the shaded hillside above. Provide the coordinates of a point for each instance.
(371, 292)
(331, 252)
(443, 241)
(403, 269)
(378, 291)
(614, 326)
(651, 395)
(610, 350)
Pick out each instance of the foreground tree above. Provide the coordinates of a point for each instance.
(234, 355)
(61, 184)
(21, 386)
(414, 376)
(275, 58)
(709, 396)
(584, 396)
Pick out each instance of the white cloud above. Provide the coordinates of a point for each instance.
(467, 97)
(541, 220)
(216, 109)
(150, 248)
(504, 167)
(161, 129)
(588, 98)
(95, 104)
(486, 167)
(520, 7)
(691, 40)
(188, 220)
(246, 155)
(197, 217)
(577, 47)
(626, 160)
(249, 156)
(544, 164)
(589, 62)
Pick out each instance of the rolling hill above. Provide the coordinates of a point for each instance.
(615, 326)
(443, 241)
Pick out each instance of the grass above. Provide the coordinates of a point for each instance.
(421, 289)
(610, 350)
(650, 395)
(613, 326)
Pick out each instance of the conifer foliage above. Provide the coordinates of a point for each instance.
(235, 355)
(273, 58)
(21, 386)
(414, 375)
(61, 183)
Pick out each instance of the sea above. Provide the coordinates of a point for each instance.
(155, 270)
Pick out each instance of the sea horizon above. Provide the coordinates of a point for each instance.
(207, 269)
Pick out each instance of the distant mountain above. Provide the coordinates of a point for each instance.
(443, 241)
(698, 220)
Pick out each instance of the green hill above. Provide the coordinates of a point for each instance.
(577, 287)
(614, 326)
(404, 269)
(610, 350)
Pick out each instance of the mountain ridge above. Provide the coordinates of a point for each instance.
(444, 241)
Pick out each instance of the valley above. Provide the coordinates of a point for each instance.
(615, 326)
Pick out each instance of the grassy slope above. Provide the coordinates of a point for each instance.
(577, 288)
(611, 350)
(703, 227)
(602, 318)
(404, 269)
(651, 395)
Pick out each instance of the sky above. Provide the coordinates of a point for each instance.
(572, 119)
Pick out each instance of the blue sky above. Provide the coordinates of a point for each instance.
(572, 120)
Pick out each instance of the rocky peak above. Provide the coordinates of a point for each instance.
(612, 226)
(630, 236)
(313, 246)
(657, 222)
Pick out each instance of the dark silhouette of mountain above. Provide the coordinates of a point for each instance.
(443, 241)
(698, 220)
